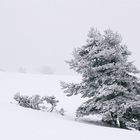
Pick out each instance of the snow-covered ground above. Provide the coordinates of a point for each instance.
(18, 123)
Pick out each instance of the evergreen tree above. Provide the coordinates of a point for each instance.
(108, 79)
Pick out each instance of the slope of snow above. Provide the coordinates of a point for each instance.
(18, 123)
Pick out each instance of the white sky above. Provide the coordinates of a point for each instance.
(34, 33)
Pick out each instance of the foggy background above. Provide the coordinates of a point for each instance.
(40, 34)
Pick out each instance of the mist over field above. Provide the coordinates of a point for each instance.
(34, 34)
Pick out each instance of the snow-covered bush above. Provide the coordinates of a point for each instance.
(50, 100)
(22, 100)
(36, 101)
(29, 102)
(108, 79)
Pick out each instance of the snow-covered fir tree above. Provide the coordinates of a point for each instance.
(108, 80)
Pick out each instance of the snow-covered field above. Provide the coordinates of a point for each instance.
(18, 123)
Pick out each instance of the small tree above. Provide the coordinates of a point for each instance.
(108, 79)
